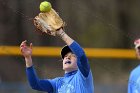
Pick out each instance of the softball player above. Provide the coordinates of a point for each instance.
(78, 76)
(134, 79)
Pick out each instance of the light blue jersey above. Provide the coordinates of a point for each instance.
(73, 82)
(134, 81)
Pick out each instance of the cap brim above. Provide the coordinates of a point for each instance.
(65, 50)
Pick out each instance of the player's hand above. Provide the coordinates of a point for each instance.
(26, 50)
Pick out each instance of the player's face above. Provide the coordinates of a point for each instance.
(70, 62)
(138, 52)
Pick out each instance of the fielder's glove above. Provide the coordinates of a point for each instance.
(49, 22)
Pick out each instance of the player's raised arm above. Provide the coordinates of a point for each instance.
(35, 82)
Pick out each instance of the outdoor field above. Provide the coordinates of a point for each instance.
(105, 29)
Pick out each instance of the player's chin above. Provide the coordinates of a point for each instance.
(66, 68)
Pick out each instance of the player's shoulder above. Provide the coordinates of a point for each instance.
(59, 78)
(136, 71)
(80, 75)
(56, 79)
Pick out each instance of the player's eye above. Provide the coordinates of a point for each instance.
(65, 56)
(73, 55)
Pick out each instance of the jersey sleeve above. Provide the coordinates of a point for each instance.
(82, 60)
(36, 83)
